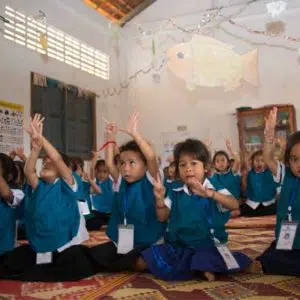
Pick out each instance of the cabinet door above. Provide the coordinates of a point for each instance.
(253, 130)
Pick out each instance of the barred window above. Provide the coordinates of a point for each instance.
(34, 34)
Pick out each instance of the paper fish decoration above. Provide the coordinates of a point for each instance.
(205, 61)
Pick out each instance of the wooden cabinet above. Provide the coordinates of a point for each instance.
(251, 125)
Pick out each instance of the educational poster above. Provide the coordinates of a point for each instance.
(11, 126)
(170, 139)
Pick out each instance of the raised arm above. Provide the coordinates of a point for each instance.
(270, 124)
(95, 156)
(63, 170)
(35, 131)
(146, 148)
(162, 211)
(20, 153)
(208, 143)
(111, 134)
(235, 155)
(5, 192)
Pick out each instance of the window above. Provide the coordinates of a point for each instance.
(32, 33)
(69, 116)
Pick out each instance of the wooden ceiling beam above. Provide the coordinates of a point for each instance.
(125, 4)
(114, 7)
(135, 12)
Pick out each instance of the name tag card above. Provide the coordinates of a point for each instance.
(44, 258)
(229, 259)
(126, 239)
(287, 235)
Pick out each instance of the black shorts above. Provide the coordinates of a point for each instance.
(261, 210)
(280, 262)
(106, 258)
(72, 264)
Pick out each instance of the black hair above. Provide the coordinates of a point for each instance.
(20, 171)
(76, 162)
(172, 164)
(291, 142)
(221, 153)
(9, 170)
(255, 154)
(100, 163)
(133, 146)
(194, 147)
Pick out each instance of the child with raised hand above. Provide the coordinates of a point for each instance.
(260, 188)
(226, 174)
(133, 224)
(283, 255)
(172, 182)
(10, 196)
(195, 240)
(53, 223)
(102, 195)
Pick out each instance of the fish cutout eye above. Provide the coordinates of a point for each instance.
(180, 55)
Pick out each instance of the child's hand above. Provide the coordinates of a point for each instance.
(270, 123)
(35, 130)
(12, 154)
(281, 141)
(95, 155)
(111, 131)
(132, 125)
(229, 145)
(86, 176)
(198, 188)
(208, 143)
(159, 189)
(19, 151)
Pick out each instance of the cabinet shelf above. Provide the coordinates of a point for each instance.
(250, 125)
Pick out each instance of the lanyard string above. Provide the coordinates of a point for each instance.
(292, 199)
(209, 215)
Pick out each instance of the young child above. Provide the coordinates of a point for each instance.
(53, 223)
(10, 195)
(226, 174)
(283, 255)
(172, 182)
(84, 201)
(133, 224)
(195, 239)
(261, 189)
(101, 185)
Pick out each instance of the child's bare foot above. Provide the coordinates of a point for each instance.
(209, 276)
(140, 265)
(254, 268)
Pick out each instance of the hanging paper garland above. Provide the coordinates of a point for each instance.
(44, 41)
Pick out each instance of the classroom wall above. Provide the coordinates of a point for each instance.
(166, 104)
(209, 112)
(76, 19)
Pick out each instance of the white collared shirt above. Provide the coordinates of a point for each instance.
(279, 179)
(82, 234)
(206, 184)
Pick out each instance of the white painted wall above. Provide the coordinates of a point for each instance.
(76, 19)
(209, 112)
(164, 105)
